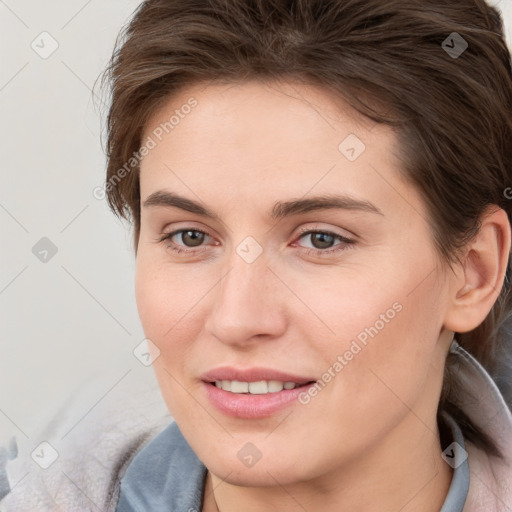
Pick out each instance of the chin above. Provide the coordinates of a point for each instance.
(262, 474)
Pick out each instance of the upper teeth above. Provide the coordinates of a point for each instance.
(256, 388)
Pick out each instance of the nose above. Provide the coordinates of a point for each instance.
(248, 304)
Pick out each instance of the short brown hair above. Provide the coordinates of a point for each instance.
(389, 59)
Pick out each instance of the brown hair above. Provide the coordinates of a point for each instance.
(391, 61)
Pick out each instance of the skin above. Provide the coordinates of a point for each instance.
(369, 440)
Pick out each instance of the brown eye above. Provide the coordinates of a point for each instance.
(322, 242)
(192, 238)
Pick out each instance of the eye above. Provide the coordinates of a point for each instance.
(323, 240)
(193, 238)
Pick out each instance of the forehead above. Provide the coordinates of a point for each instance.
(279, 122)
(220, 105)
(265, 142)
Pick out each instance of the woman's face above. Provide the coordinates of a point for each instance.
(358, 305)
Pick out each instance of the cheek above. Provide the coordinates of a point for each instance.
(164, 306)
(385, 318)
(387, 340)
(170, 304)
(166, 295)
(160, 306)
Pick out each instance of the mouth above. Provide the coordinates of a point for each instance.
(260, 387)
(256, 380)
(253, 393)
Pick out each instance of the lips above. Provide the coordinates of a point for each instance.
(253, 375)
(243, 403)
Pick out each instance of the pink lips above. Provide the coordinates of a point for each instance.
(246, 405)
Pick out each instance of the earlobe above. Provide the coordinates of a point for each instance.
(477, 286)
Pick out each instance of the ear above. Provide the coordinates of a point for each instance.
(477, 284)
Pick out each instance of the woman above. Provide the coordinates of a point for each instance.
(318, 192)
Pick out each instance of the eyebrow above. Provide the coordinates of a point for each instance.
(280, 209)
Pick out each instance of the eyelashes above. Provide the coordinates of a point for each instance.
(167, 240)
(335, 236)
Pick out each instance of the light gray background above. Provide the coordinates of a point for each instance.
(74, 317)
